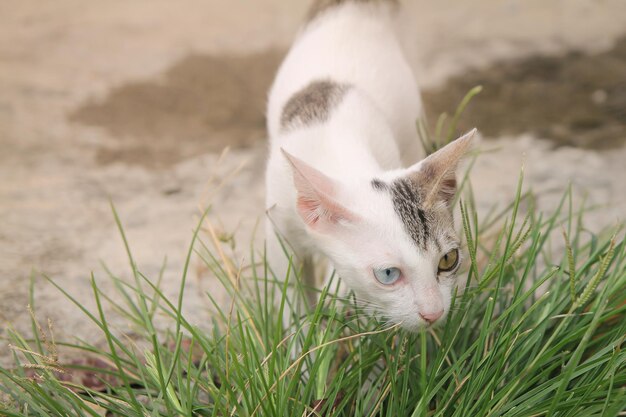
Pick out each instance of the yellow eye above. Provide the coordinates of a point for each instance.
(449, 261)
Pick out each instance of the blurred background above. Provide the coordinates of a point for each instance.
(135, 101)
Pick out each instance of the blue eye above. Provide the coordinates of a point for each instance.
(387, 276)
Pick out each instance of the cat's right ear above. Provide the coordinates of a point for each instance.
(317, 202)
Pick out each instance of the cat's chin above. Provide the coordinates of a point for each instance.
(414, 327)
(419, 325)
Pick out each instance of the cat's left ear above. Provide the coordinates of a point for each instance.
(436, 175)
(317, 201)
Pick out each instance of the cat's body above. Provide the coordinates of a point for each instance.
(352, 44)
(341, 113)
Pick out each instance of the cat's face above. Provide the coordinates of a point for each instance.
(404, 280)
(392, 238)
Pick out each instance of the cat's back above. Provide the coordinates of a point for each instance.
(347, 43)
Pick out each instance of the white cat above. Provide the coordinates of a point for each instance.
(341, 118)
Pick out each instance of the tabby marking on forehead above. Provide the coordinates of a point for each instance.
(378, 185)
(406, 199)
(312, 104)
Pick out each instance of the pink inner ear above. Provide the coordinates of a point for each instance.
(309, 210)
(316, 202)
(313, 209)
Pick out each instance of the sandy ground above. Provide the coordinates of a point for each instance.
(133, 102)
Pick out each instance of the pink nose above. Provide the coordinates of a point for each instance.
(431, 317)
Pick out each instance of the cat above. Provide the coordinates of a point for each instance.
(341, 118)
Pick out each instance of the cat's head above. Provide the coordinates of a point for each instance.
(391, 238)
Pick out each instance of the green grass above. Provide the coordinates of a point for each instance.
(507, 349)
(537, 332)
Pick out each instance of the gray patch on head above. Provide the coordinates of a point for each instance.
(320, 6)
(312, 104)
(406, 198)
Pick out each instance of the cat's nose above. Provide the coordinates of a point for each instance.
(431, 317)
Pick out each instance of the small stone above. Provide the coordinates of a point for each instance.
(599, 96)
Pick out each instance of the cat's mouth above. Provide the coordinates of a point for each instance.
(418, 324)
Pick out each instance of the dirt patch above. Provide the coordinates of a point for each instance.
(576, 99)
(202, 104)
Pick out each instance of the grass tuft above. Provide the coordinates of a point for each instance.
(537, 331)
(507, 349)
